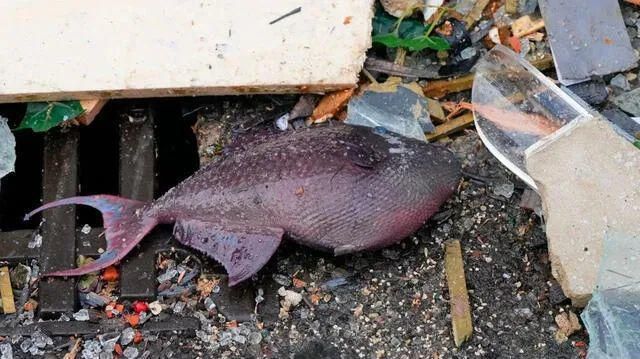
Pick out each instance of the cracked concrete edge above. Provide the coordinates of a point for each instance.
(579, 279)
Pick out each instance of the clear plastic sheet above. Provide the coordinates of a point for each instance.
(612, 316)
(7, 148)
(515, 106)
(396, 107)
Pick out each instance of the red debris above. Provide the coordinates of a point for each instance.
(140, 307)
(110, 274)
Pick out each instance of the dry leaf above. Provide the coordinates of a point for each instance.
(331, 104)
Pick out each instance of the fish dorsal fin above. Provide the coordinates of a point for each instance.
(241, 252)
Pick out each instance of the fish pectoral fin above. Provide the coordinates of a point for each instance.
(241, 252)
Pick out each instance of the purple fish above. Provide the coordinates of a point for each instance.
(336, 187)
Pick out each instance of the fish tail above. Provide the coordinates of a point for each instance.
(125, 221)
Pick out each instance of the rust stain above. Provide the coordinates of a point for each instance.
(347, 20)
(608, 41)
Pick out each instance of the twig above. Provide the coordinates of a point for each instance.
(292, 12)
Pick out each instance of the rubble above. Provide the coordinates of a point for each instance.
(568, 324)
(6, 351)
(629, 102)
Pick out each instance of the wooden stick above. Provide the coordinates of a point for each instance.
(8, 305)
(459, 298)
(91, 109)
(441, 88)
(451, 126)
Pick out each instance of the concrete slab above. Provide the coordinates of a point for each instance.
(121, 48)
(588, 177)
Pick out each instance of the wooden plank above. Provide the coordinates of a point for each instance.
(452, 126)
(8, 305)
(137, 179)
(120, 48)
(58, 250)
(459, 297)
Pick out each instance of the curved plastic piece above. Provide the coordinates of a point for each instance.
(516, 106)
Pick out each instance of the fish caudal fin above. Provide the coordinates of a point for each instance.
(124, 222)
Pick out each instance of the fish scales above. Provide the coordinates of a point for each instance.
(336, 187)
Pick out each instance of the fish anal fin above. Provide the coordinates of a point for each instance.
(241, 252)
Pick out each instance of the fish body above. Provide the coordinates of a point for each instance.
(336, 187)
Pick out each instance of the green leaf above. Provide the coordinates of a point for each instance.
(424, 42)
(409, 35)
(388, 40)
(415, 44)
(637, 143)
(43, 116)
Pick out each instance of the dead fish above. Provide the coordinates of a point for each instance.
(335, 187)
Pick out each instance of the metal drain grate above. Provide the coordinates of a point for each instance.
(64, 240)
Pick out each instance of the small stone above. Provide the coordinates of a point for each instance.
(6, 351)
(255, 338)
(524, 312)
(168, 275)
(25, 345)
(106, 355)
(82, 315)
(131, 353)
(40, 340)
(442, 55)
(568, 324)
(93, 300)
(504, 189)
(209, 304)
(281, 279)
(35, 242)
(239, 339)
(108, 341)
(179, 307)
(91, 349)
(155, 307)
(282, 122)
(127, 336)
(86, 229)
(291, 298)
(631, 76)
(621, 82)
(20, 275)
(468, 53)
